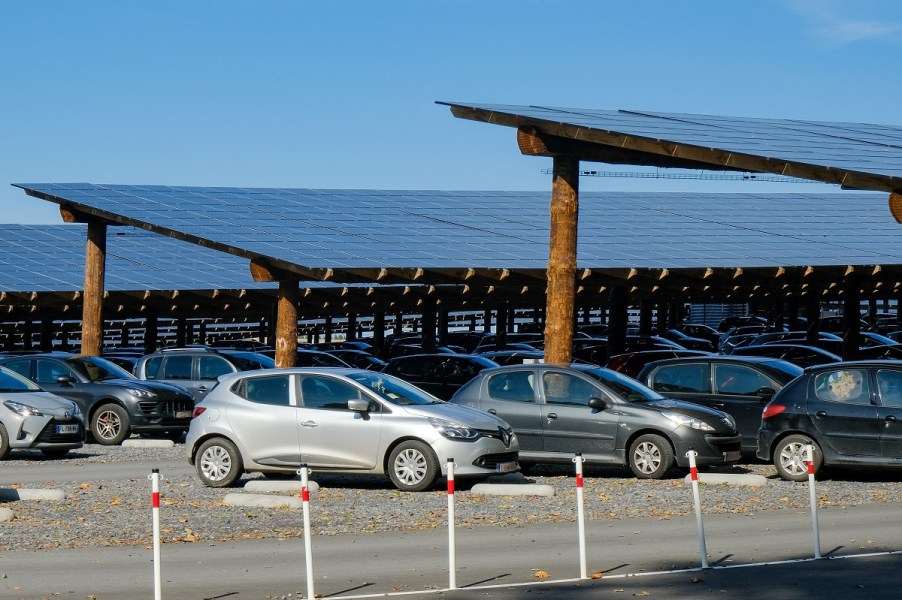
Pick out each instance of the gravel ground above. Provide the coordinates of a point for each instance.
(118, 512)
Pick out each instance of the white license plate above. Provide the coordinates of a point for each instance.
(735, 455)
(67, 428)
(183, 414)
(506, 467)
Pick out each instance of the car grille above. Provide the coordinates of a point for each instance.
(731, 445)
(499, 434)
(490, 461)
(167, 407)
(49, 434)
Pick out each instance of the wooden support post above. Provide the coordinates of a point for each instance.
(501, 327)
(327, 335)
(645, 313)
(92, 308)
(378, 332)
(46, 335)
(851, 326)
(180, 333)
(813, 314)
(487, 320)
(443, 327)
(663, 320)
(287, 324)
(151, 330)
(427, 336)
(617, 318)
(26, 335)
(561, 291)
(351, 333)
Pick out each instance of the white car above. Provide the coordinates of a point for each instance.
(33, 418)
(341, 420)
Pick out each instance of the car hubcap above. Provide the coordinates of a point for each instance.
(648, 457)
(410, 467)
(215, 463)
(108, 425)
(794, 459)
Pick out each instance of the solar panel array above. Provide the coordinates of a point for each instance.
(51, 258)
(360, 229)
(856, 147)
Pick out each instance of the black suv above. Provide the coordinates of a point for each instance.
(113, 402)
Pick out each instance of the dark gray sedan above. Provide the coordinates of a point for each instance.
(607, 417)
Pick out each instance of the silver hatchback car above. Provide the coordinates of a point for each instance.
(341, 420)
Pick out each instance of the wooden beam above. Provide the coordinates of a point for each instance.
(92, 308)
(562, 261)
(287, 323)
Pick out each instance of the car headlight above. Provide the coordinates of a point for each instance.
(681, 419)
(23, 409)
(139, 393)
(453, 430)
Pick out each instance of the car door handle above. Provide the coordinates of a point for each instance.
(492, 411)
(309, 424)
(890, 418)
(551, 416)
(202, 388)
(821, 413)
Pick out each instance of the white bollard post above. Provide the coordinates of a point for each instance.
(452, 553)
(581, 515)
(693, 471)
(812, 496)
(308, 541)
(155, 502)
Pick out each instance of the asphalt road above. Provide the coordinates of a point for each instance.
(769, 554)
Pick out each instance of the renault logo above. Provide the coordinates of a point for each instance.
(66, 415)
(505, 437)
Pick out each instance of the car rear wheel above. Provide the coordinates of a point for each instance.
(4, 442)
(413, 466)
(110, 425)
(650, 457)
(218, 463)
(791, 457)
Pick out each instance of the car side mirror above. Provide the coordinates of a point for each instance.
(599, 404)
(65, 380)
(766, 393)
(359, 405)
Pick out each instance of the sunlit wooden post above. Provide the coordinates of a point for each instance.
(561, 290)
(95, 269)
(287, 323)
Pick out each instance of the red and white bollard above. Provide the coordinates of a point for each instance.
(155, 502)
(581, 515)
(693, 471)
(308, 541)
(812, 495)
(452, 553)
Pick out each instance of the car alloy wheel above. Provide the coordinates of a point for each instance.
(650, 457)
(413, 466)
(791, 457)
(110, 425)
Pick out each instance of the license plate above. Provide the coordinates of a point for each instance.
(67, 428)
(506, 467)
(730, 456)
(183, 414)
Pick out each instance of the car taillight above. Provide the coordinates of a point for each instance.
(198, 411)
(772, 410)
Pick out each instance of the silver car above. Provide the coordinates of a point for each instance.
(341, 420)
(33, 418)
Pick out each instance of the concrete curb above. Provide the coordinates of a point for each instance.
(11, 495)
(517, 489)
(285, 485)
(262, 500)
(6, 515)
(142, 443)
(722, 478)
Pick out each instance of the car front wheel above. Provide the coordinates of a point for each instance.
(218, 463)
(4, 442)
(650, 457)
(110, 425)
(791, 457)
(413, 466)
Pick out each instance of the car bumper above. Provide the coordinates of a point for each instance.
(43, 433)
(485, 456)
(765, 441)
(710, 449)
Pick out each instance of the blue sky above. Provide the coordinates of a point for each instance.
(341, 94)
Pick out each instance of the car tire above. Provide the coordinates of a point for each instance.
(650, 456)
(413, 466)
(110, 425)
(790, 457)
(55, 452)
(4, 442)
(218, 463)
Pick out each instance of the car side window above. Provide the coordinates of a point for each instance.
(268, 390)
(47, 371)
(176, 367)
(737, 380)
(327, 393)
(848, 386)
(22, 367)
(152, 367)
(563, 388)
(889, 382)
(513, 387)
(211, 367)
(682, 378)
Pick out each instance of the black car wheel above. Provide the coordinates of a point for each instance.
(650, 456)
(110, 425)
(791, 457)
(4, 442)
(218, 463)
(413, 466)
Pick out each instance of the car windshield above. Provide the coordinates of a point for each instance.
(627, 388)
(98, 369)
(10, 381)
(393, 390)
